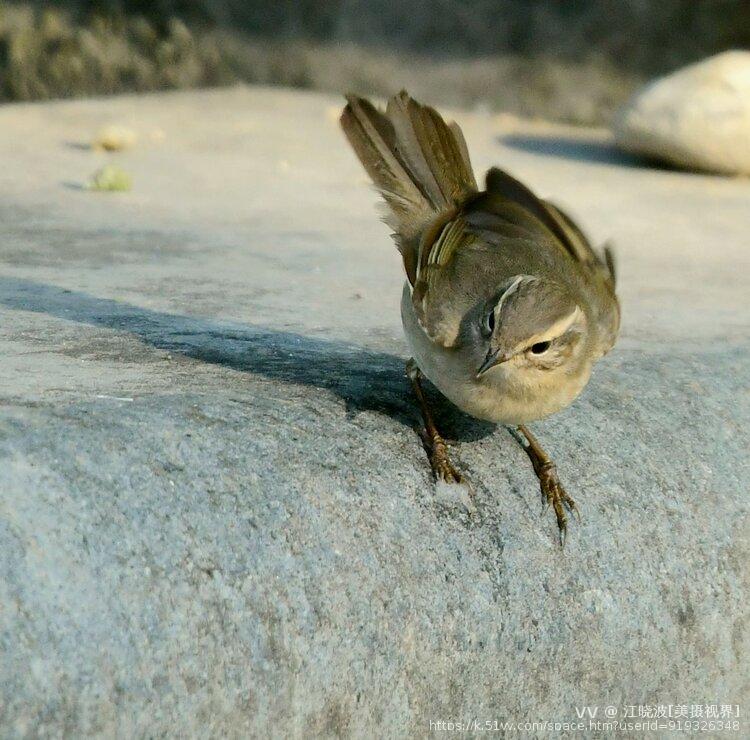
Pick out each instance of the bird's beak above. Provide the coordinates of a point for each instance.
(493, 358)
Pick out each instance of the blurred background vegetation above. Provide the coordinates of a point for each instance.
(571, 60)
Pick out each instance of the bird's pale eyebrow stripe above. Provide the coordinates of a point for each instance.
(512, 288)
(557, 329)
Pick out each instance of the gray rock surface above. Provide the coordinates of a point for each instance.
(215, 516)
(696, 118)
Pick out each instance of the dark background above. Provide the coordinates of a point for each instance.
(574, 60)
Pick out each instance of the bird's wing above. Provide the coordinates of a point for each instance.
(435, 278)
(580, 247)
(507, 211)
(566, 232)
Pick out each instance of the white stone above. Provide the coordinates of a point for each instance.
(696, 118)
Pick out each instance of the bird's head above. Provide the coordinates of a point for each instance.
(532, 327)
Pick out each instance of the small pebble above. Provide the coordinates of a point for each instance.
(110, 178)
(114, 138)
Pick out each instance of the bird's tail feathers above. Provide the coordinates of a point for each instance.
(418, 162)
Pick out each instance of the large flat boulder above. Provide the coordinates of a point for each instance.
(216, 518)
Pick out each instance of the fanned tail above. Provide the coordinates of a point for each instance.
(419, 164)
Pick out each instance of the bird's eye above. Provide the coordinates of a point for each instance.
(540, 348)
(491, 322)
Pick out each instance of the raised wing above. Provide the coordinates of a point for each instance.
(509, 211)
(559, 223)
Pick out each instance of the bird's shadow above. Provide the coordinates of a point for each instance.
(365, 379)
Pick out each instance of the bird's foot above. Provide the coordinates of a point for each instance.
(437, 449)
(434, 444)
(554, 494)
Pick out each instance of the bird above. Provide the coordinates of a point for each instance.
(506, 305)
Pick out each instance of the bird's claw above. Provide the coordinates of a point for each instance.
(554, 494)
(440, 462)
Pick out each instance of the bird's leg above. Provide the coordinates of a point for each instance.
(552, 489)
(435, 445)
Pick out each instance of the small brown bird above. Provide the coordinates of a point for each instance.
(506, 305)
